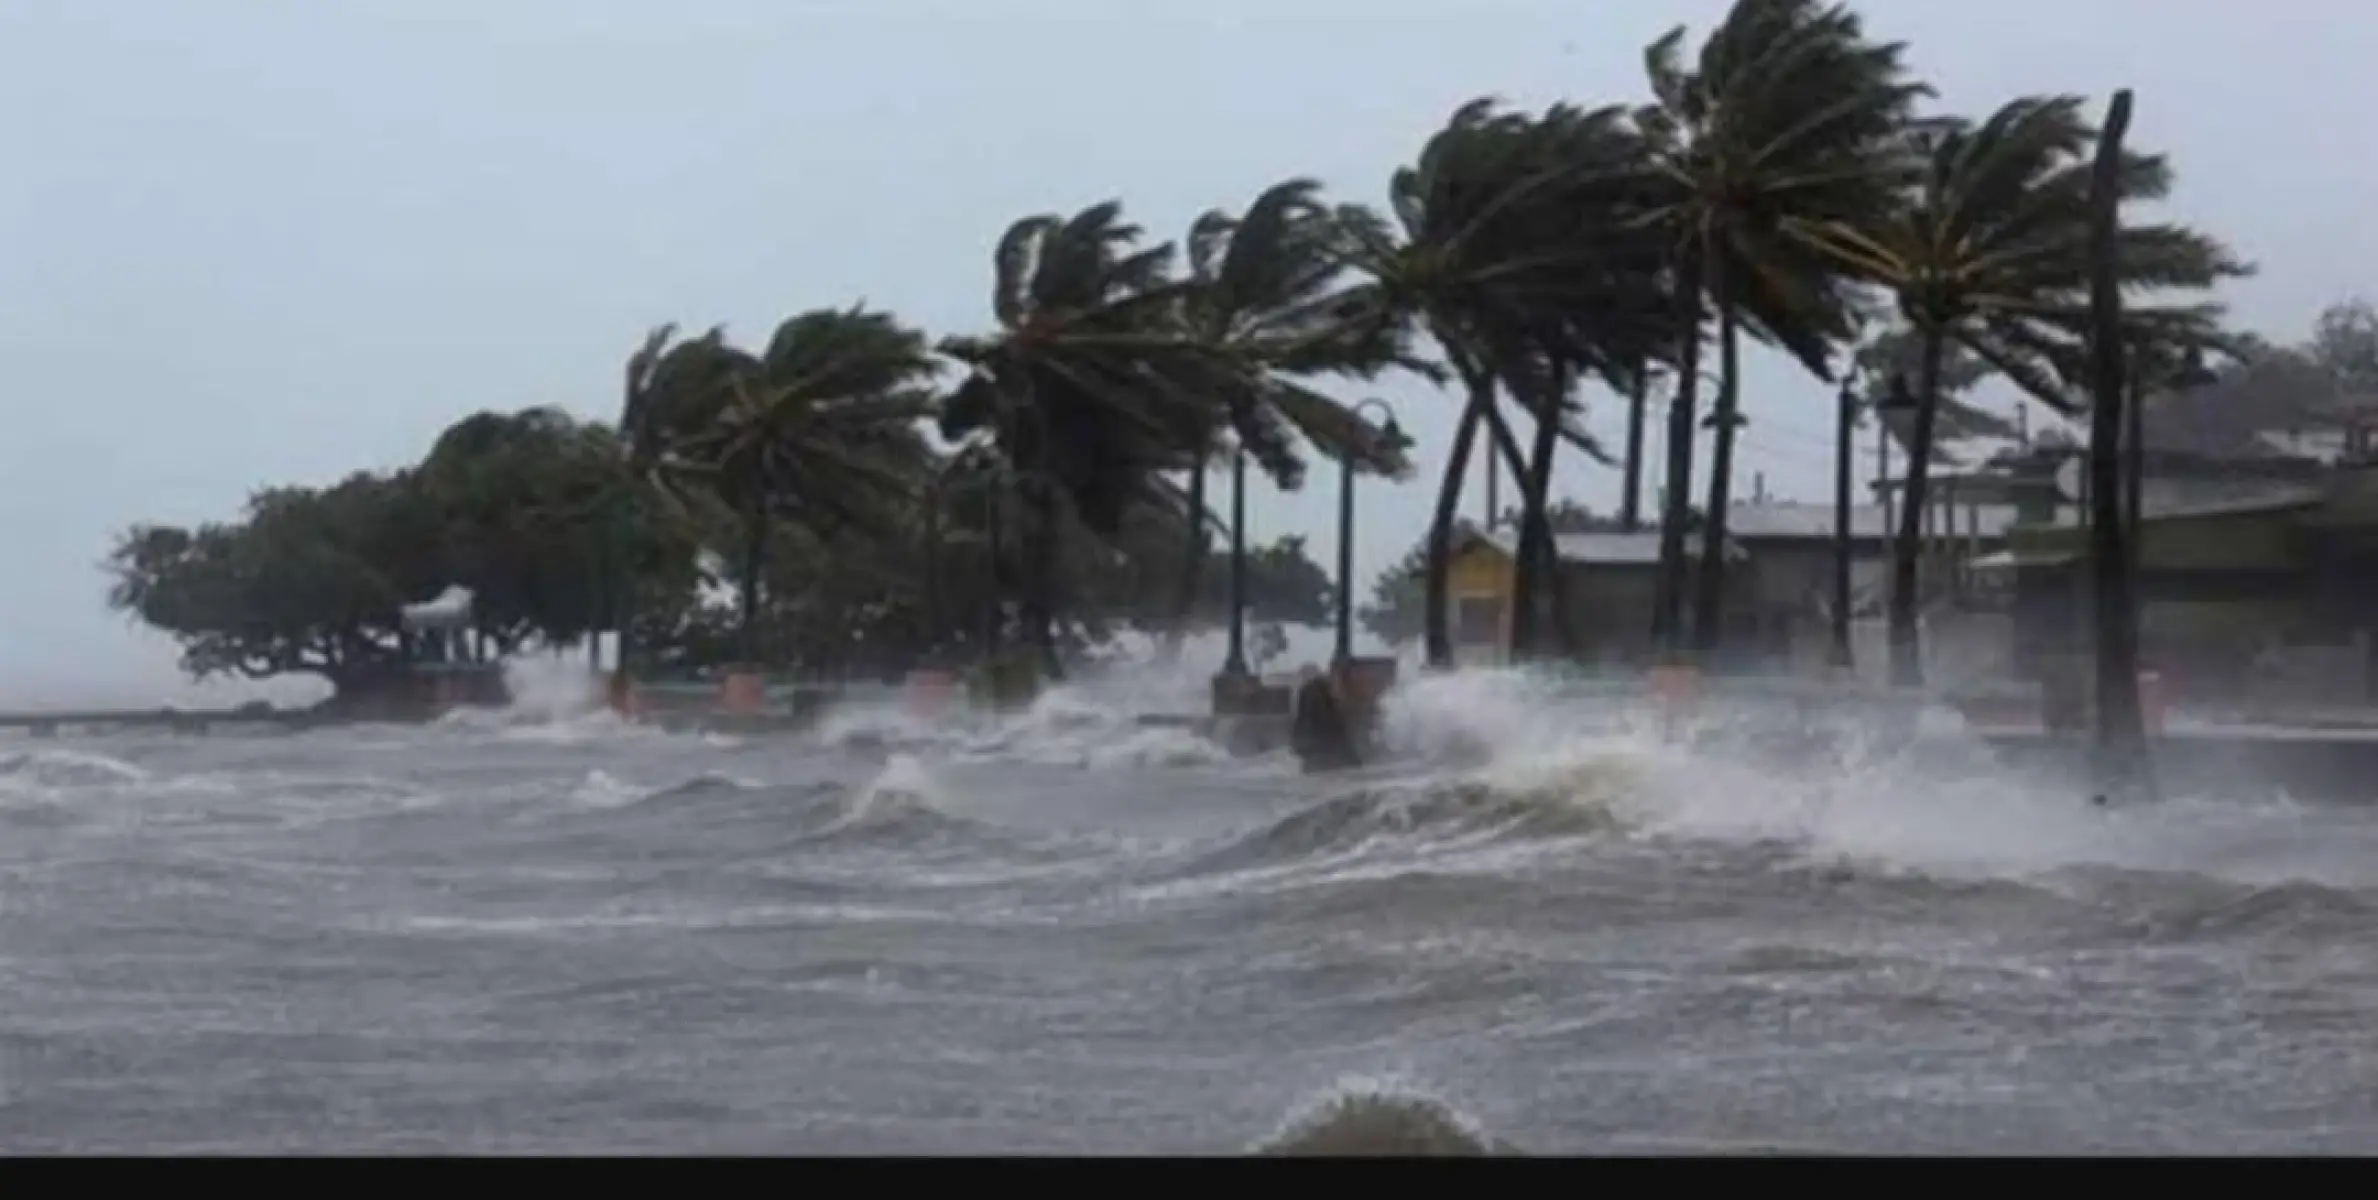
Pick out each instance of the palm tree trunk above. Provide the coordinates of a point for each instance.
(1193, 561)
(1667, 618)
(623, 619)
(2122, 760)
(1709, 609)
(1907, 644)
(1630, 502)
(1542, 544)
(1040, 603)
(1436, 622)
(597, 584)
(1843, 448)
(1538, 558)
(755, 547)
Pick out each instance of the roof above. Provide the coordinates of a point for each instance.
(448, 609)
(1640, 549)
(1797, 521)
(2204, 498)
(2183, 499)
(1792, 520)
(2011, 560)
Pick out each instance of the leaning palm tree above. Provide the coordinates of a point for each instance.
(1987, 250)
(1089, 387)
(1269, 295)
(1789, 116)
(668, 390)
(1612, 318)
(1492, 257)
(825, 428)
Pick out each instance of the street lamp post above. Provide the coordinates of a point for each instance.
(1845, 420)
(1235, 662)
(1394, 436)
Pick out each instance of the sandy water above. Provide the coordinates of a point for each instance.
(1547, 930)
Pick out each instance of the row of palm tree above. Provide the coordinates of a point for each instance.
(1782, 183)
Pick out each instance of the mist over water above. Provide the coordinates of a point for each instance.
(1543, 928)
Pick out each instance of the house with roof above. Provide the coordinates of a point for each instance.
(1779, 580)
(2247, 587)
(1609, 581)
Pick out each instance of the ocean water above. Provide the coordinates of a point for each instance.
(1544, 929)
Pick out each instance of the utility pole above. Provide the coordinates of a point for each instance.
(1844, 450)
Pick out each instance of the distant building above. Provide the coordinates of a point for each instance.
(1779, 582)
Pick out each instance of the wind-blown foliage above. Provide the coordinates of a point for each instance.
(1789, 120)
(1514, 247)
(1776, 184)
(1269, 294)
(1089, 387)
(1987, 250)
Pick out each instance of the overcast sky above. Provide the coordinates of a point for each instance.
(252, 241)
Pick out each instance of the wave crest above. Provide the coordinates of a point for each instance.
(1371, 1120)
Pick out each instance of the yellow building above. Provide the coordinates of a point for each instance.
(1609, 579)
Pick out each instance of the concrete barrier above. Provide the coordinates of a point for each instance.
(743, 693)
(929, 693)
(1251, 696)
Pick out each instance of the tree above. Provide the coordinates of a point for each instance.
(1789, 119)
(529, 518)
(1895, 353)
(1505, 251)
(1987, 249)
(310, 582)
(2122, 736)
(1089, 387)
(825, 428)
(313, 580)
(666, 388)
(1268, 295)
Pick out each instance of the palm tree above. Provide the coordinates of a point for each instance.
(1790, 116)
(662, 402)
(1090, 386)
(1987, 250)
(1492, 254)
(824, 428)
(1270, 297)
(1611, 319)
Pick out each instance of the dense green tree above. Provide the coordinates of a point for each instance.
(825, 428)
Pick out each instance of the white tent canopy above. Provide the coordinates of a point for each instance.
(450, 609)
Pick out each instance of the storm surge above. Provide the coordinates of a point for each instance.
(1540, 923)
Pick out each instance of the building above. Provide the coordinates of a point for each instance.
(1779, 578)
(2251, 592)
(1609, 580)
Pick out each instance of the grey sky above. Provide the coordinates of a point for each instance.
(253, 241)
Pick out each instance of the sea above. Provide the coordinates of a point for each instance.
(1541, 926)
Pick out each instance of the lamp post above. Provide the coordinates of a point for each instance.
(1234, 663)
(1394, 437)
(1845, 420)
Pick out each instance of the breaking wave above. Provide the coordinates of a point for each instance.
(1365, 1118)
